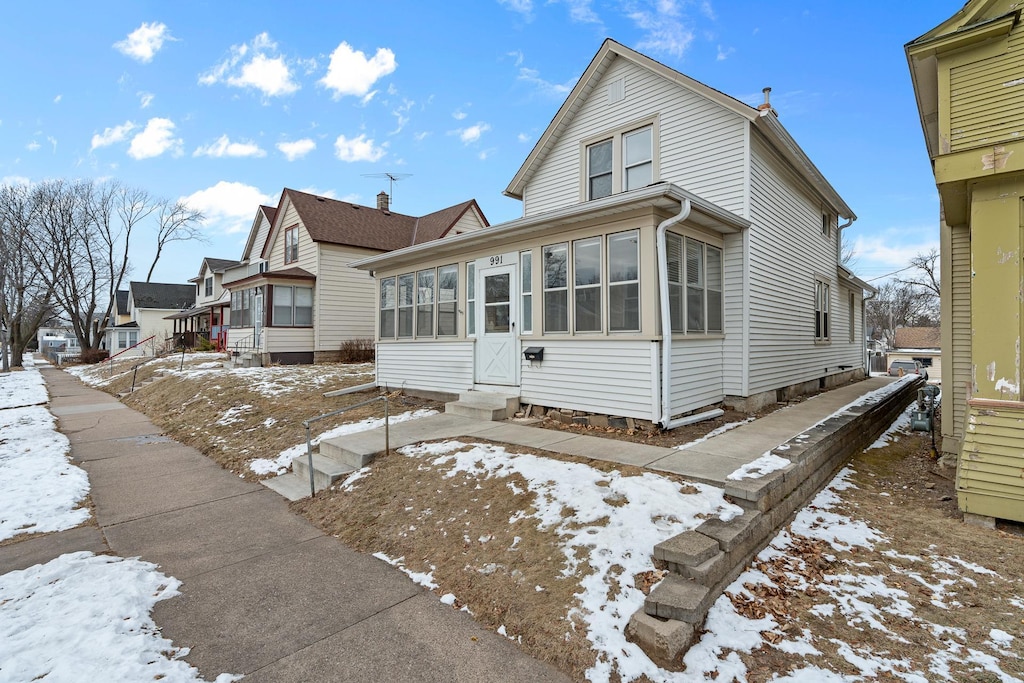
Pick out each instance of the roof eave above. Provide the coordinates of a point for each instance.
(663, 195)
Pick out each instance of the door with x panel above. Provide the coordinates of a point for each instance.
(497, 355)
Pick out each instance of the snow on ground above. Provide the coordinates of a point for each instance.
(22, 387)
(766, 464)
(40, 490)
(276, 380)
(715, 432)
(617, 520)
(283, 461)
(85, 617)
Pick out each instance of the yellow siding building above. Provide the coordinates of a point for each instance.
(968, 76)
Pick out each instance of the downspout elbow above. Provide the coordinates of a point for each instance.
(666, 312)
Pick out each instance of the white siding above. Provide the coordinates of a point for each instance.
(307, 247)
(701, 144)
(283, 339)
(432, 366)
(241, 336)
(469, 222)
(345, 298)
(696, 374)
(607, 377)
(734, 301)
(787, 252)
(151, 322)
(260, 240)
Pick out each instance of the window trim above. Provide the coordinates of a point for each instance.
(610, 283)
(208, 286)
(598, 241)
(292, 305)
(564, 289)
(680, 326)
(617, 136)
(291, 244)
(526, 292)
(452, 303)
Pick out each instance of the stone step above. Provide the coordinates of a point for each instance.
(484, 405)
(680, 599)
(289, 485)
(353, 451)
(326, 470)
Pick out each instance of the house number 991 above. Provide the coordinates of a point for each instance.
(496, 260)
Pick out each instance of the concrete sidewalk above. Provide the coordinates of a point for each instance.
(265, 593)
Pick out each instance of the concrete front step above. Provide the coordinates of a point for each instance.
(484, 405)
(289, 485)
(326, 470)
(351, 453)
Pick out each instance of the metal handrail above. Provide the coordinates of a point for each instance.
(309, 442)
(110, 360)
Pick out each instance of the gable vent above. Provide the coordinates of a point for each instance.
(617, 90)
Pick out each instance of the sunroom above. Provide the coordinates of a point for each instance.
(586, 290)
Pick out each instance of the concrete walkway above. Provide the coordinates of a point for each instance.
(710, 461)
(265, 593)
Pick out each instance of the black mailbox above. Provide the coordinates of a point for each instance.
(534, 353)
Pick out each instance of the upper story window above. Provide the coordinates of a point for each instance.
(208, 285)
(624, 161)
(291, 244)
(826, 224)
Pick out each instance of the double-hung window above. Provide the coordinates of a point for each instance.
(405, 304)
(425, 303)
(624, 282)
(291, 244)
(388, 304)
(624, 161)
(293, 306)
(447, 298)
(822, 296)
(694, 285)
(471, 299)
(587, 281)
(208, 286)
(526, 285)
(556, 290)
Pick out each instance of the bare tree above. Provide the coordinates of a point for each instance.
(25, 296)
(176, 222)
(899, 304)
(926, 276)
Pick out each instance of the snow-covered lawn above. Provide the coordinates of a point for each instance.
(85, 617)
(283, 461)
(40, 490)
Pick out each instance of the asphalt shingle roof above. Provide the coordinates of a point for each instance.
(337, 222)
(160, 295)
(918, 338)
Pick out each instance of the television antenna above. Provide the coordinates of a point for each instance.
(392, 179)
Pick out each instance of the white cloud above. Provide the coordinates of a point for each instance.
(421, 136)
(581, 12)
(296, 149)
(472, 133)
(524, 7)
(486, 153)
(154, 140)
(254, 65)
(666, 29)
(111, 135)
(15, 180)
(523, 137)
(144, 42)
(229, 206)
(518, 55)
(401, 113)
(358, 149)
(458, 114)
(145, 98)
(532, 76)
(223, 147)
(707, 10)
(724, 53)
(53, 141)
(57, 99)
(351, 73)
(352, 198)
(892, 249)
(32, 146)
(330, 194)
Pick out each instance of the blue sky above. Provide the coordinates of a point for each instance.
(226, 103)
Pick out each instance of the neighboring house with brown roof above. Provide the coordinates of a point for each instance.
(294, 297)
(922, 344)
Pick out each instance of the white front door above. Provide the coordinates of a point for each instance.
(257, 319)
(497, 353)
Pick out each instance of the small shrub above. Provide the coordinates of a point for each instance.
(93, 356)
(357, 351)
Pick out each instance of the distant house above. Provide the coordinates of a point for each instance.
(922, 344)
(149, 303)
(970, 96)
(294, 296)
(208, 319)
(677, 250)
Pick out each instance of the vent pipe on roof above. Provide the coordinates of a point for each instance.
(766, 104)
(382, 201)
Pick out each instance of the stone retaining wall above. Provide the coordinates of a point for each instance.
(704, 561)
